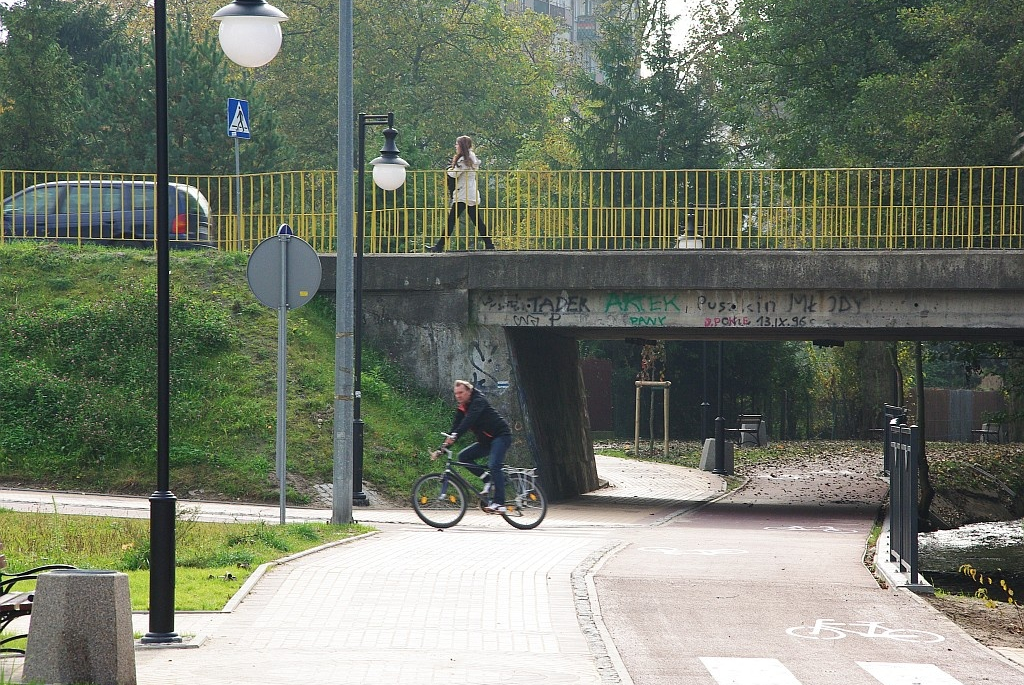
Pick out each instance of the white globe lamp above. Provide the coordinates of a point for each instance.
(250, 31)
(389, 168)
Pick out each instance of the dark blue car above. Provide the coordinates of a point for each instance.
(115, 212)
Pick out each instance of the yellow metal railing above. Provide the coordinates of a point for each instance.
(776, 209)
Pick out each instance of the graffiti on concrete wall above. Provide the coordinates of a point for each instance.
(712, 309)
(489, 368)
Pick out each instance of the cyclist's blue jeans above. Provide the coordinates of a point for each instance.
(497, 449)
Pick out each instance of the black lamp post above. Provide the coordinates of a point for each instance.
(262, 22)
(162, 501)
(388, 174)
(705, 406)
(719, 423)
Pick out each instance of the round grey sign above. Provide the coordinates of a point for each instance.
(296, 258)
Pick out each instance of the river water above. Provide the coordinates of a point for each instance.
(994, 548)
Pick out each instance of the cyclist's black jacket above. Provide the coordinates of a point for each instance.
(481, 418)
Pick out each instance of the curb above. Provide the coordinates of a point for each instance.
(891, 573)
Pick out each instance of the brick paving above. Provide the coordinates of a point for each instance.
(479, 603)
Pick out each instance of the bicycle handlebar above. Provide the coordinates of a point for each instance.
(443, 449)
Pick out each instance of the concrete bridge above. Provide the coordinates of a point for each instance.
(510, 321)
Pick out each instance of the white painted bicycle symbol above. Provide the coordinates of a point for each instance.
(828, 629)
(823, 529)
(672, 551)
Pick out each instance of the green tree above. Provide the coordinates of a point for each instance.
(790, 69)
(118, 121)
(301, 84)
(960, 101)
(611, 124)
(39, 86)
(461, 68)
(852, 382)
(444, 68)
(94, 32)
(870, 82)
(649, 107)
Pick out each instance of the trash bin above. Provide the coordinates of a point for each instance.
(81, 629)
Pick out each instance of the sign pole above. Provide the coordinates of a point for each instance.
(238, 127)
(282, 371)
(283, 273)
(238, 198)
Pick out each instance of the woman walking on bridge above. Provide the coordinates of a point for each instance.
(465, 196)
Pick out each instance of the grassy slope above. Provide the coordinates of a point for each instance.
(77, 356)
(77, 339)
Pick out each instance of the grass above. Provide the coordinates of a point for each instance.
(213, 559)
(76, 375)
(77, 369)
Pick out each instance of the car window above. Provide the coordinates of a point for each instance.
(142, 197)
(41, 200)
(196, 204)
(91, 199)
(112, 198)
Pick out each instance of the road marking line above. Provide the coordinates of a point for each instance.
(672, 551)
(741, 671)
(908, 674)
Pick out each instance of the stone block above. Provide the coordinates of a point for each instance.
(707, 456)
(81, 629)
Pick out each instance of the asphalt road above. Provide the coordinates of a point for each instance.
(767, 586)
(651, 580)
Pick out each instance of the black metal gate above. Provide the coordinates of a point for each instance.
(903, 450)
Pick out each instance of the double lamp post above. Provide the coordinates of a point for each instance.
(250, 35)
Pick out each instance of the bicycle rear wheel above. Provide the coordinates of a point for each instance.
(438, 500)
(525, 503)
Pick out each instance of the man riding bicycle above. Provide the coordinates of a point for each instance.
(493, 438)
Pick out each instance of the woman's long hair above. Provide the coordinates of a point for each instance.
(463, 146)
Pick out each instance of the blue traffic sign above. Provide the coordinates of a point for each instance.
(238, 119)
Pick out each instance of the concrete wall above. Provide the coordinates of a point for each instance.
(531, 377)
(720, 294)
(509, 322)
(430, 336)
(555, 404)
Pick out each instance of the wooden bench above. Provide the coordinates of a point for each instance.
(16, 604)
(989, 432)
(749, 425)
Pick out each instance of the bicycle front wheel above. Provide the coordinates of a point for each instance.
(525, 503)
(438, 500)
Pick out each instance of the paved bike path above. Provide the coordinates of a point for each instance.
(767, 586)
(479, 603)
(608, 589)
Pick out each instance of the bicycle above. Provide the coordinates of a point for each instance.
(440, 499)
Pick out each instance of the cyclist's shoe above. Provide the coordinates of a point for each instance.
(486, 491)
(494, 508)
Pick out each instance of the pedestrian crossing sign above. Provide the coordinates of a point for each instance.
(238, 118)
